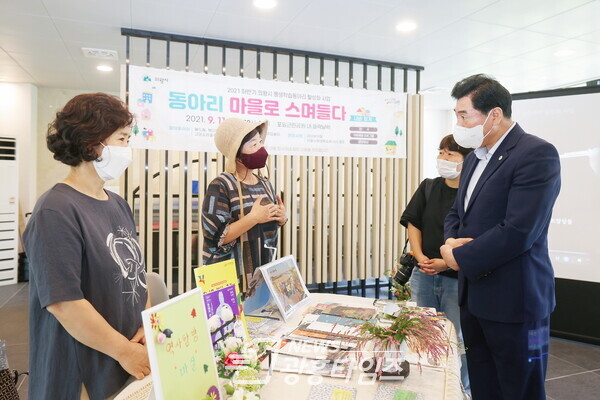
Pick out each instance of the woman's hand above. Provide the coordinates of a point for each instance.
(134, 360)
(281, 212)
(265, 213)
(139, 336)
(433, 266)
(420, 257)
(81, 320)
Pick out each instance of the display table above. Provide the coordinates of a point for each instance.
(434, 383)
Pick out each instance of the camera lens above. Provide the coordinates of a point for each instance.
(403, 274)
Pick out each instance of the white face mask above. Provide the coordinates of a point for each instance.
(447, 169)
(113, 162)
(471, 138)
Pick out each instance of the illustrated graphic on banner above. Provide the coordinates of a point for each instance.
(180, 349)
(222, 301)
(178, 110)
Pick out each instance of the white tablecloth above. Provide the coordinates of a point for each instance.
(434, 383)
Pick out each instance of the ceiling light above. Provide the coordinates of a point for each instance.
(406, 26)
(564, 53)
(265, 4)
(104, 68)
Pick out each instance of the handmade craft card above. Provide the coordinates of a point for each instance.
(180, 348)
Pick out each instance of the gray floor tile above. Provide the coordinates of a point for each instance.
(558, 367)
(18, 357)
(15, 323)
(14, 316)
(23, 388)
(20, 298)
(582, 355)
(6, 292)
(584, 386)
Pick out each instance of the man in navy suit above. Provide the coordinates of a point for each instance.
(497, 239)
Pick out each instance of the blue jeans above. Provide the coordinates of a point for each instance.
(441, 293)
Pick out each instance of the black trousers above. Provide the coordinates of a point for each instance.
(506, 361)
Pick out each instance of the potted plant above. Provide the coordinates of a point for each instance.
(419, 331)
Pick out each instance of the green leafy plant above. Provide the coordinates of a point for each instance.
(420, 330)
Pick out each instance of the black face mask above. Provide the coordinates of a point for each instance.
(255, 160)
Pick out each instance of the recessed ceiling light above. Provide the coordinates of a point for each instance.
(564, 53)
(104, 68)
(406, 26)
(265, 4)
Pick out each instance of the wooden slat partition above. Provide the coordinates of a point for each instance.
(162, 218)
(343, 212)
(169, 222)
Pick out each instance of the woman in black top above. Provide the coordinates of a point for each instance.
(434, 285)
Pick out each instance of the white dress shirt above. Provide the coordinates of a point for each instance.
(484, 155)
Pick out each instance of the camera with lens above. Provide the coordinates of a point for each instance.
(407, 263)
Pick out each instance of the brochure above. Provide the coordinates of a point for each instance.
(222, 301)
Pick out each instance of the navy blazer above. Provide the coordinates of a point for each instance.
(505, 272)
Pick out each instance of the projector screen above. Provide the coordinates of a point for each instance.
(572, 124)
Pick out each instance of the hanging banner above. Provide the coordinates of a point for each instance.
(181, 110)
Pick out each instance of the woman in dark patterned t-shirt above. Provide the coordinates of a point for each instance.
(249, 233)
(88, 281)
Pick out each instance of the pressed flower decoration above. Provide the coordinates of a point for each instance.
(161, 334)
(155, 321)
(239, 362)
(421, 331)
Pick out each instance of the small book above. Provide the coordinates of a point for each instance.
(286, 289)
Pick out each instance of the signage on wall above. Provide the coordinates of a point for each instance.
(181, 110)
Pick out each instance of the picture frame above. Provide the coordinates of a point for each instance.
(287, 288)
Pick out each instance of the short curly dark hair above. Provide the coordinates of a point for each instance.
(84, 122)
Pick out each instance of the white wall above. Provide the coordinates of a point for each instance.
(18, 118)
(437, 123)
(50, 171)
(25, 112)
